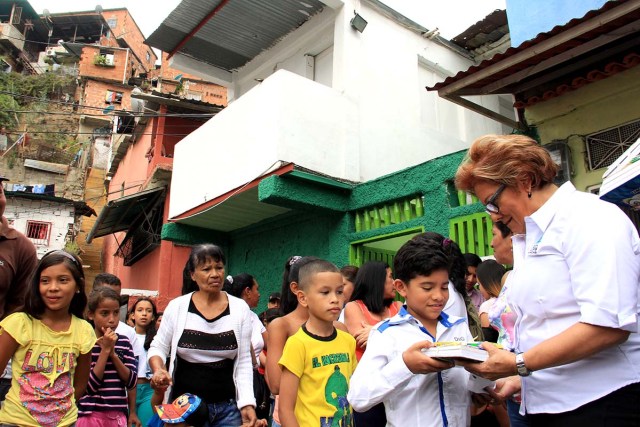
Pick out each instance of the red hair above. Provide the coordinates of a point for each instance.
(507, 159)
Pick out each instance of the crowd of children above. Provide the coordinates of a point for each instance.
(96, 372)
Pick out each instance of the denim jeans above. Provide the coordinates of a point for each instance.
(224, 414)
(516, 420)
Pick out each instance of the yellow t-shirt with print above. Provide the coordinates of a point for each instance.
(324, 366)
(43, 366)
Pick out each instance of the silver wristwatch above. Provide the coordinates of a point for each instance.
(523, 371)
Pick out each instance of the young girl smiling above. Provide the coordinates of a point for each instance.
(49, 344)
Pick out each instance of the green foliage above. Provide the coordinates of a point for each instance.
(100, 60)
(32, 94)
(41, 86)
(72, 247)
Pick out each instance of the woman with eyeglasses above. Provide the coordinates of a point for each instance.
(574, 289)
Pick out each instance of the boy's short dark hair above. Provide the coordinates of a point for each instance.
(419, 257)
(106, 279)
(312, 268)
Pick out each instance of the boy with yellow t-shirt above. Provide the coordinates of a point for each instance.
(318, 360)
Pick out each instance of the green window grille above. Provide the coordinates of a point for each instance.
(391, 213)
(472, 233)
(459, 197)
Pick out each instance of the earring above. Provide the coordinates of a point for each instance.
(529, 194)
(78, 291)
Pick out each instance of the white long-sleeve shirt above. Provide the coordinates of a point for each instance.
(165, 343)
(425, 400)
(578, 262)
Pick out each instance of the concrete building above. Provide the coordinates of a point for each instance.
(330, 145)
(129, 226)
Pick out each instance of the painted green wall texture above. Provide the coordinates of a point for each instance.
(321, 223)
(262, 250)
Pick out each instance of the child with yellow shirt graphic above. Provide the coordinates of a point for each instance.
(318, 360)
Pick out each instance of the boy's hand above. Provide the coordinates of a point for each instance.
(420, 363)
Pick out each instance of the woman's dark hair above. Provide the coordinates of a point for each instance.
(151, 329)
(288, 300)
(271, 314)
(490, 274)
(198, 256)
(349, 272)
(369, 286)
(472, 260)
(34, 304)
(100, 294)
(235, 285)
(505, 231)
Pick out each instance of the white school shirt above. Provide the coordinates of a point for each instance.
(138, 347)
(578, 262)
(411, 399)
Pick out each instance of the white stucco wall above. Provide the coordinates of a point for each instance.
(376, 119)
(60, 216)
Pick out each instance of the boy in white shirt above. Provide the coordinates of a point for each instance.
(416, 390)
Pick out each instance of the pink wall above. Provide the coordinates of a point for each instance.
(161, 269)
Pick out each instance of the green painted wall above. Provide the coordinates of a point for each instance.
(597, 106)
(322, 223)
(262, 250)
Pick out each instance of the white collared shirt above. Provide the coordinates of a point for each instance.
(578, 262)
(411, 399)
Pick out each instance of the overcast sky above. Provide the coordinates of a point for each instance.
(451, 17)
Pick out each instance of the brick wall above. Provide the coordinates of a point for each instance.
(94, 95)
(126, 28)
(211, 92)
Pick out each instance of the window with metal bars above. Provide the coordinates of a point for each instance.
(604, 147)
(38, 232)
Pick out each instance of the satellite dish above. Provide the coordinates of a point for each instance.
(46, 13)
(109, 109)
(98, 9)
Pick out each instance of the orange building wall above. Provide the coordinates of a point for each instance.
(87, 68)
(211, 92)
(160, 270)
(127, 29)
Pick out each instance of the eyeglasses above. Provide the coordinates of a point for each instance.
(492, 206)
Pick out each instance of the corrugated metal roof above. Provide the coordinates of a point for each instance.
(236, 34)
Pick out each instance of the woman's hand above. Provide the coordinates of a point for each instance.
(249, 418)
(500, 363)
(362, 337)
(161, 380)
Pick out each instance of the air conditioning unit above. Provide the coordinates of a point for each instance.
(51, 51)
